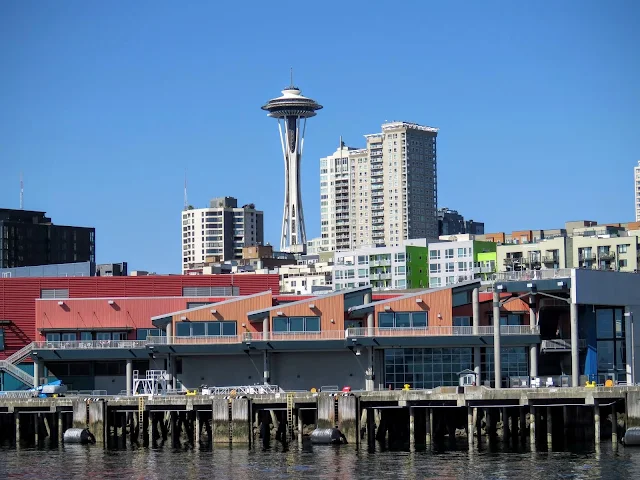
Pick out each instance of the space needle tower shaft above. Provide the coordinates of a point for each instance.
(292, 110)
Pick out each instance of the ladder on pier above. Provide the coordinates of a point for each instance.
(290, 426)
(140, 412)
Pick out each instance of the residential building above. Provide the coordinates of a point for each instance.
(459, 259)
(29, 238)
(383, 268)
(583, 244)
(112, 269)
(450, 222)
(636, 175)
(220, 231)
(382, 194)
(309, 279)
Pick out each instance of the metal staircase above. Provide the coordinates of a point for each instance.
(9, 365)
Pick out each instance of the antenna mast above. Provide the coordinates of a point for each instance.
(186, 202)
(21, 192)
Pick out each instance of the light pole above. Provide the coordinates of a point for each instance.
(629, 315)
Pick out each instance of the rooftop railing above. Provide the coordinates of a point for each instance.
(548, 274)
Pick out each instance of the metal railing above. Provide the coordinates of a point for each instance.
(89, 344)
(20, 355)
(547, 274)
(561, 344)
(440, 331)
(243, 390)
(195, 340)
(16, 372)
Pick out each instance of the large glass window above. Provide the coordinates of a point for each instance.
(1, 338)
(514, 363)
(296, 324)
(402, 319)
(86, 336)
(611, 352)
(206, 329)
(425, 367)
(143, 333)
(53, 337)
(69, 337)
(604, 322)
(103, 336)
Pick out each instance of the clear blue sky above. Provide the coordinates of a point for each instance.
(104, 104)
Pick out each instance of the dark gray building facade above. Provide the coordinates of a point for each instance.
(450, 222)
(29, 238)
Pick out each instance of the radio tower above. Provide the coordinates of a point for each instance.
(21, 192)
(292, 110)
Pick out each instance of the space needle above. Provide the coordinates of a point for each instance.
(293, 109)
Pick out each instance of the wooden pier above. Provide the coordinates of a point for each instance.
(544, 418)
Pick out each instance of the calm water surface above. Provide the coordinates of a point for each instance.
(79, 462)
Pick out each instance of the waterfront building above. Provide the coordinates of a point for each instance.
(450, 222)
(18, 298)
(459, 259)
(636, 175)
(220, 232)
(30, 238)
(559, 326)
(382, 194)
(292, 110)
(383, 268)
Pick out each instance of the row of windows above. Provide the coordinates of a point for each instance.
(402, 320)
(202, 329)
(143, 333)
(296, 324)
(84, 336)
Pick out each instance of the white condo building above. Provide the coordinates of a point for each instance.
(219, 231)
(382, 194)
(636, 175)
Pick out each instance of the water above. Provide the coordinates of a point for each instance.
(90, 462)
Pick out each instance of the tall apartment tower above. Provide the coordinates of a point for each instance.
(636, 174)
(220, 231)
(382, 194)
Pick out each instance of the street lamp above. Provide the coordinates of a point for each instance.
(629, 315)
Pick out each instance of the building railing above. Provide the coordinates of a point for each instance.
(561, 344)
(90, 344)
(436, 331)
(548, 274)
(195, 340)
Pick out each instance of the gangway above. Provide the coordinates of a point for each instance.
(153, 383)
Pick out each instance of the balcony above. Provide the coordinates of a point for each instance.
(513, 260)
(548, 274)
(550, 259)
(586, 257)
(607, 256)
(560, 345)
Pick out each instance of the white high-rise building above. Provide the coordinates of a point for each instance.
(382, 194)
(219, 231)
(636, 174)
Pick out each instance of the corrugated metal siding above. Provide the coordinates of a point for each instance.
(18, 295)
(97, 313)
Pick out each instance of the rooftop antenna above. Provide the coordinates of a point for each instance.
(21, 192)
(186, 202)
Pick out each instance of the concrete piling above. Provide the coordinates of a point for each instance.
(220, 421)
(428, 426)
(532, 426)
(97, 421)
(596, 424)
(412, 429)
(326, 411)
(549, 429)
(348, 418)
(240, 421)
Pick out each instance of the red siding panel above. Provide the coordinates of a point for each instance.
(18, 295)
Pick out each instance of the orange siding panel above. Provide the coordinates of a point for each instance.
(327, 308)
(435, 303)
